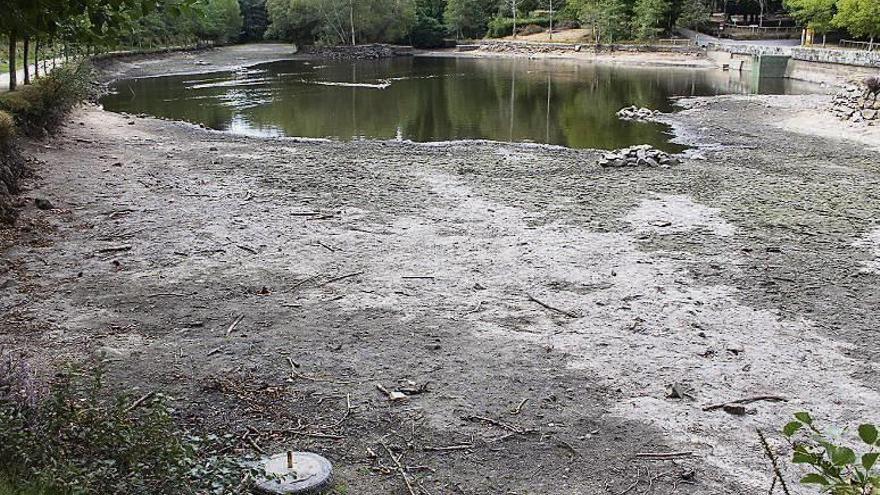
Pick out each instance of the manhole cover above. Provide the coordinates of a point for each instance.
(295, 472)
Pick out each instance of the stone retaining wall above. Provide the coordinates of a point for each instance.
(858, 103)
(531, 47)
(359, 52)
(857, 58)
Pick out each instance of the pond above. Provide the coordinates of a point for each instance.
(428, 99)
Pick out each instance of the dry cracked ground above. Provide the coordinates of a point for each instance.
(537, 309)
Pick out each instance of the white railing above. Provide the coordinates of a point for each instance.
(859, 45)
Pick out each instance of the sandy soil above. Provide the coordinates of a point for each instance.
(544, 304)
(559, 36)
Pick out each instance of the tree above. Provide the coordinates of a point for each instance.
(469, 18)
(220, 21)
(692, 14)
(650, 17)
(255, 19)
(614, 19)
(340, 21)
(817, 15)
(860, 17)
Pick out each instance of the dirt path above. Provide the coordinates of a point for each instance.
(544, 304)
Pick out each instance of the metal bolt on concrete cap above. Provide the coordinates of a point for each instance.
(294, 472)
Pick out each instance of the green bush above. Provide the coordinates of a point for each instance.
(500, 27)
(72, 436)
(7, 128)
(834, 467)
(427, 32)
(41, 106)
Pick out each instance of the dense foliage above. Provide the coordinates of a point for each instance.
(835, 468)
(86, 25)
(72, 436)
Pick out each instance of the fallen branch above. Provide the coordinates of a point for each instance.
(748, 400)
(343, 277)
(138, 403)
(115, 249)
(233, 325)
(662, 456)
(400, 469)
(449, 448)
(495, 422)
(551, 308)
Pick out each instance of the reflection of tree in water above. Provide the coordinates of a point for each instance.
(427, 99)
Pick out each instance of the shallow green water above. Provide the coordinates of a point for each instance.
(432, 99)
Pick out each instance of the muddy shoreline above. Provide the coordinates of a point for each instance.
(515, 283)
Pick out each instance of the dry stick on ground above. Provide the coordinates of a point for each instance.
(344, 416)
(400, 469)
(772, 457)
(495, 422)
(449, 448)
(520, 406)
(115, 249)
(551, 308)
(234, 324)
(748, 400)
(138, 403)
(343, 277)
(662, 456)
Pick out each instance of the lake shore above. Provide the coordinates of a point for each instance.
(548, 320)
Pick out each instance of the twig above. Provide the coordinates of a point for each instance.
(748, 400)
(417, 277)
(495, 422)
(464, 446)
(400, 470)
(661, 456)
(138, 403)
(253, 443)
(115, 249)
(344, 416)
(520, 406)
(246, 248)
(551, 308)
(769, 452)
(233, 325)
(328, 248)
(343, 277)
(167, 294)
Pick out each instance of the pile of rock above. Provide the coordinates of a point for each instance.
(858, 102)
(642, 155)
(359, 52)
(636, 113)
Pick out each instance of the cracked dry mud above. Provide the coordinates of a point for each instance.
(522, 284)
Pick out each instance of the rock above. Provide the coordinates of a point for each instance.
(636, 113)
(642, 155)
(44, 204)
(116, 164)
(735, 409)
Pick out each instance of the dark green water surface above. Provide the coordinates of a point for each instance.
(428, 99)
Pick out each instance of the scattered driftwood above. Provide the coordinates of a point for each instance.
(748, 400)
(551, 308)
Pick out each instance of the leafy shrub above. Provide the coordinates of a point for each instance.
(7, 128)
(837, 469)
(530, 29)
(500, 27)
(41, 106)
(71, 437)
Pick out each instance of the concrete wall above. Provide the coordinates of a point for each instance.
(806, 64)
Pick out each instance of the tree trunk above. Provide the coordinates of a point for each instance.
(13, 70)
(514, 18)
(351, 20)
(36, 59)
(551, 20)
(27, 70)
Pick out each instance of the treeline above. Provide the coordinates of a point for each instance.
(72, 27)
(427, 22)
(860, 18)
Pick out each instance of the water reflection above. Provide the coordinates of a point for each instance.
(431, 99)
